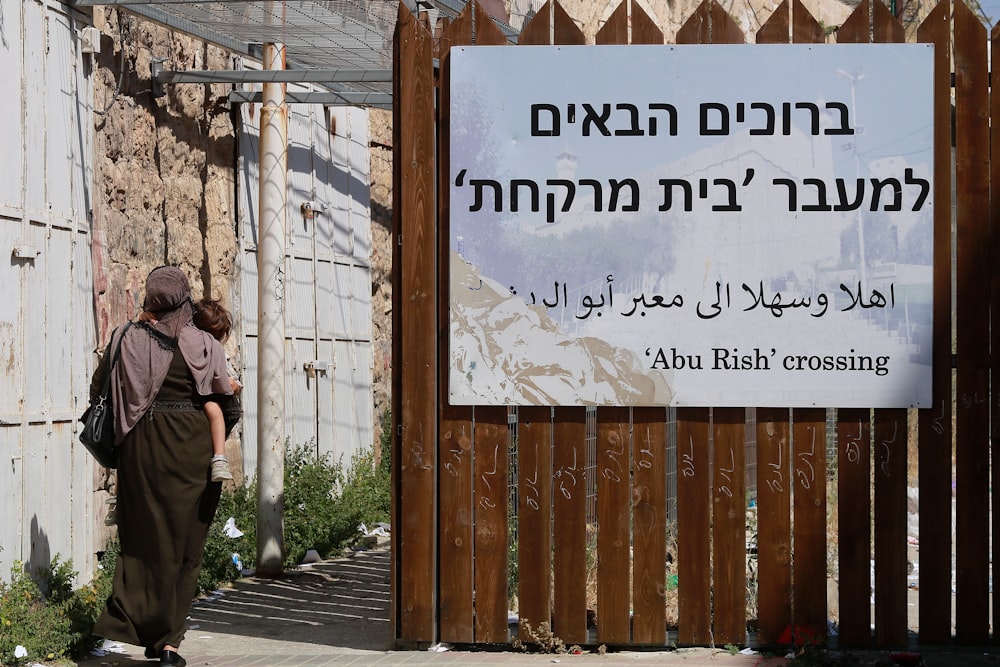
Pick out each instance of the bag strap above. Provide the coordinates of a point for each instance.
(114, 357)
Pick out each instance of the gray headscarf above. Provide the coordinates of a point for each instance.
(148, 348)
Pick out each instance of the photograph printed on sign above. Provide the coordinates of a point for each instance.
(724, 225)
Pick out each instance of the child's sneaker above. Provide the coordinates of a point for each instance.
(220, 469)
(112, 516)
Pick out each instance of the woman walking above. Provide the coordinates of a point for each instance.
(167, 369)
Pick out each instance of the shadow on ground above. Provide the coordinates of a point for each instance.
(340, 603)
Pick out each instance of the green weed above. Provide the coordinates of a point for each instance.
(45, 617)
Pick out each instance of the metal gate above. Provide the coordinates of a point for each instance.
(327, 280)
(46, 313)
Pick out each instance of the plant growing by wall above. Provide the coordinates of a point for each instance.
(324, 505)
(44, 617)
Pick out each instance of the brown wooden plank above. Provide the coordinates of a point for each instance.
(972, 328)
(886, 28)
(649, 518)
(854, 30)
(491, 493)
(696, 29)
(854, 469)
(569, 509)
(418, 366)
(805, 28)
(729, 534)
(890, 528)
(614, 501)
(564, 28)
(613, 467)
(396, 512)
(396, 350)
(995, 310)
(710, 24)
(616, 28)
(569, 532)
(694, 517)
(776, 28)
(455, 588)
(934, 429)
(644, 29)
(455, 514)
(534, 516)
(891, 455)
(455, 485)
(890, 440)
(725, 29)
(774, 526)
(809, 523)
(536, 29)
(487, 32)
(569, 506)
(854, 537)
(551, 25)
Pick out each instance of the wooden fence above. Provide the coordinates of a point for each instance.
(452, 531)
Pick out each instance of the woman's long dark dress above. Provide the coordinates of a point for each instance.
(166, 503)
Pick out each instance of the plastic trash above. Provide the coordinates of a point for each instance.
(380, 530)
(230, 529)
(108, 646)
(440, 647)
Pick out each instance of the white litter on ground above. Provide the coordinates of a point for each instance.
(231, 530)
(440, 648)
(108, 646)
(380, 530)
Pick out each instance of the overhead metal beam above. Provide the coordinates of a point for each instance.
(330, 99)
(275, 76)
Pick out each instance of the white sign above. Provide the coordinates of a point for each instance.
(723, 225)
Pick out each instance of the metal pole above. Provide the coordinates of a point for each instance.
(271, 320)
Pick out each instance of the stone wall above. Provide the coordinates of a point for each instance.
(164, 181)
(380, 138)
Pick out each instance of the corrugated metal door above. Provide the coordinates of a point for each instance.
(328, 351)
(46, 309)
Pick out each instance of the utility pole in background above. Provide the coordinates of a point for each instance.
(271, 319)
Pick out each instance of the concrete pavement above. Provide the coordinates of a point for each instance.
(336, 612)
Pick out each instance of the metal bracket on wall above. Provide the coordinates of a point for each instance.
(156, 77)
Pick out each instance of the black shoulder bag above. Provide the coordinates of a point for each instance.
(98, 434)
